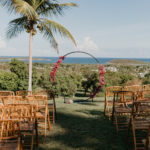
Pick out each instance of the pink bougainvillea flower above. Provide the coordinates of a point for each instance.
(101, 81)
(55, 68)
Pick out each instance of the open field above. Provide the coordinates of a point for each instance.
(82, 126)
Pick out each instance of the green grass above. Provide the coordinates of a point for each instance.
(82, 126)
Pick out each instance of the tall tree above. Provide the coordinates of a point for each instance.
(32, 18)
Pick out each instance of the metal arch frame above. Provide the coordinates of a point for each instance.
(83, 53)
(97, 61)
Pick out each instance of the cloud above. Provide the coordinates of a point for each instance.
(2, 43)
(87, 45)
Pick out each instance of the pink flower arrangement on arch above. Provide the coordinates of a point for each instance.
(55, 68)
(101, 81)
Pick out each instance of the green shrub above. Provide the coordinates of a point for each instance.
(21, 70)
(65, 83)
(90, 82)
(8, 81)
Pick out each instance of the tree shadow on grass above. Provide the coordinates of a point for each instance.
(81, 133)
(83, 101)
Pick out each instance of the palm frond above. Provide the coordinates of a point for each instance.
(48, 34)
(25, 9)
(48, 8)
(8, 4)
(58, 28)
(20, 6)
(16, 26)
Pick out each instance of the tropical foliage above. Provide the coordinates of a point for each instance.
(20, 69)
(32, 18)
(8, 81)
(70, 79)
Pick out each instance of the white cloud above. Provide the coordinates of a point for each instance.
(2, 43)
(87, 45)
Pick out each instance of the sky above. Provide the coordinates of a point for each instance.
(103, 28)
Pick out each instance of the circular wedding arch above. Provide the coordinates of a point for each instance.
(101, 68)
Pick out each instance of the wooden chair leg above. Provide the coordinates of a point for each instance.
(134, 136)
(116, 122)
(49, 123)
(128, 132)
(36, 130)
(55, 109)
(32, 140)
(53, 115)
(45, 126)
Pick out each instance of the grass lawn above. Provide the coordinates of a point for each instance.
(82, 126)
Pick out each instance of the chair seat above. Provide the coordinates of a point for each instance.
(40, 114)
(141, 127)
(123, 110)
(144, 108)
(9, 145)
(109, 103)
(27, 126)
(15, 115)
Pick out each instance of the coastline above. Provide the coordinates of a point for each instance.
(81, 60)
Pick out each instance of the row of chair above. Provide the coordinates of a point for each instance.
(18, 125)
(109, 94)
(131, 112)
(25, 114)
(50, 97)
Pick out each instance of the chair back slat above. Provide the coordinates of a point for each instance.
(22, 112)
(23, 93)
(50, 94)
(110, 90)
(133, 88)
(11, 100)
(124, 97)
(7, 93)
(9, 129)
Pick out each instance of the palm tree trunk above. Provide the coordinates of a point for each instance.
(30, 62)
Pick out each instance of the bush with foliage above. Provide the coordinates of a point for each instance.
(8, 81)
(21, 70)
(65, 82)
(126, 78)
(90, 82)
(146, 79)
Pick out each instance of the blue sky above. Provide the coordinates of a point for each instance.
(104, 28)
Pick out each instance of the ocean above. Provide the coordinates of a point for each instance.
(69, 60)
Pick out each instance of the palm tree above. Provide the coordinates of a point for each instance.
(31, 19)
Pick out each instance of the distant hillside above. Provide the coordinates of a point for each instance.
(127, 62)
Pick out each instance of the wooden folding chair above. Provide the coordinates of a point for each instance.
(42, 112)
(23, 93)
(10, 135)
(109, 99)
(7, 93)
(122, 109)
(143, 95)
(26, 114)
(11, 100)
(51, 102)
(139, 123)
(133, 88)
